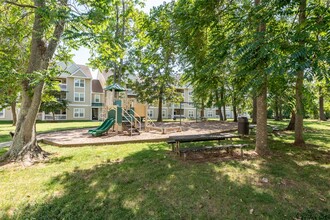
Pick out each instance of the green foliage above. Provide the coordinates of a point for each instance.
(15, 33)
(154, 57)
(53, 98)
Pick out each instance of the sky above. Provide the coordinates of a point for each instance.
(81, 56)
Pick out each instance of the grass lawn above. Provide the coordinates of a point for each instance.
(42, 127)
(145, 181)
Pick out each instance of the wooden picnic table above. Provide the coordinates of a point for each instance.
(176, 140)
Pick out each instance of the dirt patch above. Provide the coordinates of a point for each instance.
(81, 137)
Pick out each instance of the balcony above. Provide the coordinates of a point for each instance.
(63, 87)
(97, 104)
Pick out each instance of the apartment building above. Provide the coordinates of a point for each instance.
(84, 94)
(5, 114)
(186, 109)
(87, 98)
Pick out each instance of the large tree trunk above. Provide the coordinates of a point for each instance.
(276, 108)
(261, 133)
(160, 107)
(291, 124)
(220, 113)
(25, 146)
(223, 103)
(235, 113)
(299, 139)
(218, 104)
(299, 123)
(254, 111)
(13, 112)
(224, 113)
(321, 105)
(202, 110)
(280, 111)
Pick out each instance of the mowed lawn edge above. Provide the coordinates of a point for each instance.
(47, 127)
(142, 181)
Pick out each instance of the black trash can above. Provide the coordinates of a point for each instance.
(243, 125)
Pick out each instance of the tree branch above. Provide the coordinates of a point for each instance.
(20, 5)
(58, 31)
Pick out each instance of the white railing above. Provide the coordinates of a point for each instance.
(63, 87)
(148, 119)
(56, 116)
(129, 120)
(135, 119)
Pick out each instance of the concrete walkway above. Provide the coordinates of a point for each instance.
(5, 144)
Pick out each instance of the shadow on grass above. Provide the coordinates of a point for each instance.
(153, 184)
(58, 160)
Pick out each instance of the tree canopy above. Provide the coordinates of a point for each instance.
(231, 52)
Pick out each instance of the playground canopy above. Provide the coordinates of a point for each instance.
(115, 87)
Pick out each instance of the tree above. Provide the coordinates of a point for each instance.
(52, 100)
(14, 53)
(111, 36)
(48, 26)
(323, 91)
(155, 59)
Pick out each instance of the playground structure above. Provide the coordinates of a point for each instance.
(120, 113)
(126, 115)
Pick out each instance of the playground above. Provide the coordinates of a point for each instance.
(127, 121)
(81, 137)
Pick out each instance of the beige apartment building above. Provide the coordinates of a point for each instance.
(5, 114)
(86, 98)
(187, 108)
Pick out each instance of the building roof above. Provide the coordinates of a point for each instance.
(85, 70)
(96, 86)
(115, 87)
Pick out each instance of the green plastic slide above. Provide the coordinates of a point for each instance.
(100, 127)
(106, 128)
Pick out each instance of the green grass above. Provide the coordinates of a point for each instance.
(145, 181)
(43, 127)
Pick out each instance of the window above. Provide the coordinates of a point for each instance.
(79, 97)
(164, 113)
(151, 113)
(97, 98)
(2, 113)
(209, 114)
(79, 83)
(79, 113)
(190, 113)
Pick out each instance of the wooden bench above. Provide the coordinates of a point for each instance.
(228, 148)
(172, 142)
